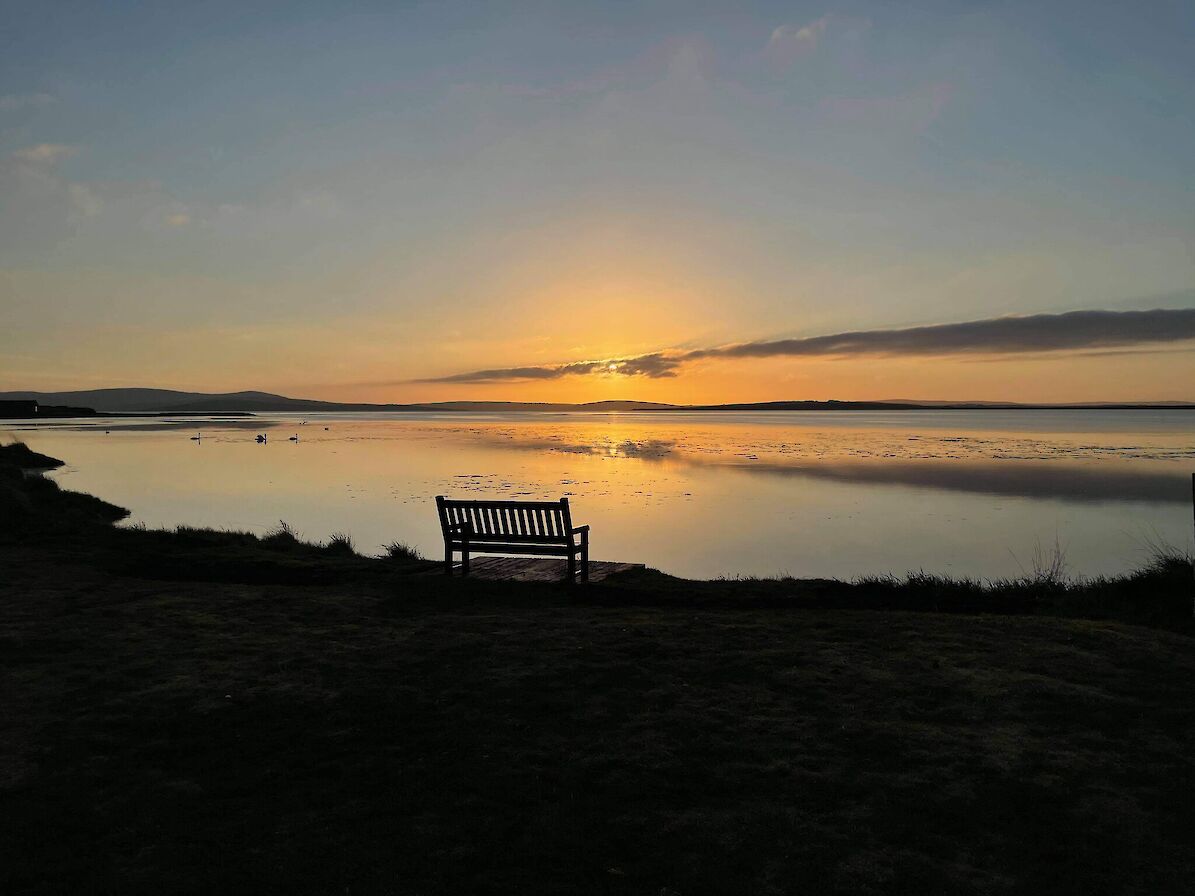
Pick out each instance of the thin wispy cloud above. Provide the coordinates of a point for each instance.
(656, 364)
(790, 41)
(787, 41)
(1070, 331)
(45, 153)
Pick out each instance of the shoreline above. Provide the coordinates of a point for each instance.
(41, 513)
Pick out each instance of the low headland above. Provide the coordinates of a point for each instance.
(203, 711)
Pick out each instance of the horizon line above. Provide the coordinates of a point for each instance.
(35, 395)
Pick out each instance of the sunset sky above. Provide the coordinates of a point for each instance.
(662, 201)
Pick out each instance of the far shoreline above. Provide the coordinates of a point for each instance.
(769, 408)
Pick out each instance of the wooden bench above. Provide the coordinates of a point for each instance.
(537, 528)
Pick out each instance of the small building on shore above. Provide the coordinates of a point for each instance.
(17, 409)
(29, 409)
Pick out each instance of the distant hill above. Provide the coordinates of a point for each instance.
(125, 401)
(149, 400)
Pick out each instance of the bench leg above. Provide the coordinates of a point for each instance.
(465, 560)
(585, 558)
(572, 567)
(447, 559)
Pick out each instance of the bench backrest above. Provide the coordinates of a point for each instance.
(519, 522)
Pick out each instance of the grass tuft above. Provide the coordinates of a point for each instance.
(340, 543)
(398, 550)
(282, 537)
(1049, 565)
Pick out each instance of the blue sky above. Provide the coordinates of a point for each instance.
(351, 179)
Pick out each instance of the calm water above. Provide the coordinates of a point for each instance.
(807, 494)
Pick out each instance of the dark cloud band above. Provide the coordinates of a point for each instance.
(1074, 330)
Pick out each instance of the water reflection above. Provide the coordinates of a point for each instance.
(1024, 479)
(1012, 475)
(701, 496)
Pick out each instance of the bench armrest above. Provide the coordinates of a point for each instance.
(580, 529)
(461, 527)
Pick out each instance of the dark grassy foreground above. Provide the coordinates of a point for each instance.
(182, 715)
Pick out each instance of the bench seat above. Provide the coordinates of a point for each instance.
(535, 528)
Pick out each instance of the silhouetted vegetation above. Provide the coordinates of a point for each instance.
(21, 456)
(398, 550)
(340, 543)
(282, 537)
(33, 506)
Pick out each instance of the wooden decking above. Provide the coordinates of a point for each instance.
(523, 569)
